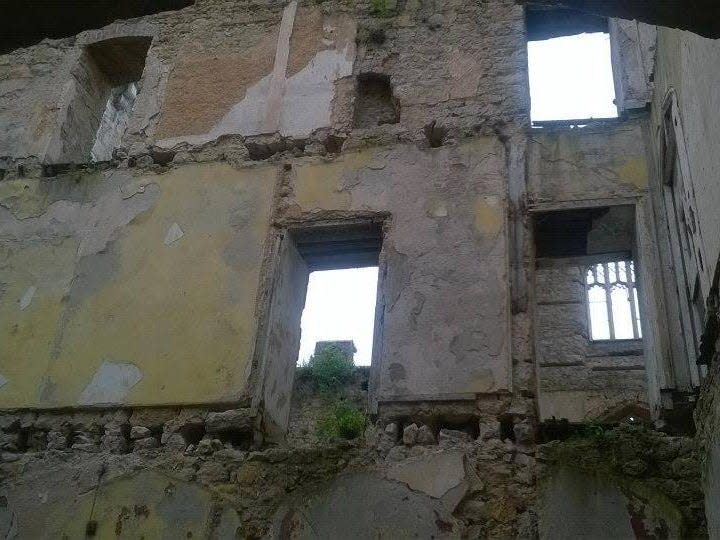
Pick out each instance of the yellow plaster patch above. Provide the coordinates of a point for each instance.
(23, 198)
(634, 171)
(488, 215)
(182, 313)
(27, 335)
(320, 185)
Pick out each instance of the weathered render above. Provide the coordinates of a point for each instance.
(687, 76)
(168, 182)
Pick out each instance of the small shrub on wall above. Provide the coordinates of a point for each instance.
(328, 369)
(344, 422)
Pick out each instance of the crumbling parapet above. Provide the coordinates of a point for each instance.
(634, 479)
(459, 483)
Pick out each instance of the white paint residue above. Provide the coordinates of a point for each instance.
(174, 233)
(111, 384)
(307, 104)
(278, 81)
(3, 380)
(27, 297)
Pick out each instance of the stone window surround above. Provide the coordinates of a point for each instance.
(293, 258)
(53, 151)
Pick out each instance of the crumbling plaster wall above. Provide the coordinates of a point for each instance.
(130, 288)
(579, 379)
(596, 166)
(218, 68)
(173, 320)
(445, 205)
(688, 70)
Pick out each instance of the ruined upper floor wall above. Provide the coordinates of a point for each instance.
(221, 67)
(135, 288)
(688, 72)
(130, 289)
(603, 161)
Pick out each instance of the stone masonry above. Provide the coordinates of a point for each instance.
(169, 180)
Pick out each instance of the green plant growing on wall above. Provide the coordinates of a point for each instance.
(589, 430)
(329, 368)
(380, 8)
(344, 422)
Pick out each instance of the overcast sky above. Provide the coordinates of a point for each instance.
(340, 305)
(570, 78)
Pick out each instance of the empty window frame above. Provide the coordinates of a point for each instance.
(106, 86)
(612, 298)
(302, 251)
(569, 65)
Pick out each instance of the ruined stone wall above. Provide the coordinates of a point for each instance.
(155, 288)
(687, 79)
(281, 70)
(628, 482)
(600, 166)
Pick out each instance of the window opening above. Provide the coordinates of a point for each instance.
(106, 87)
(340, 306)
(571, 78)
(613, 304)
(114, 121)
(339, 261)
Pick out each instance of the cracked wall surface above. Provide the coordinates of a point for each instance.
(687, 74)
(119, 298)
(149, 304)
(458, 211)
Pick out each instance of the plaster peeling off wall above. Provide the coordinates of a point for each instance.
(448, 212)
(295, 97)
(110, 384)
(633, 54)
(130, 290)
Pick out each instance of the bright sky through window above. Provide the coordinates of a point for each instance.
(340, 305)
(613, 302)
(571, 78)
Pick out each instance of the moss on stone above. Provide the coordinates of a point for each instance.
(640, 461)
